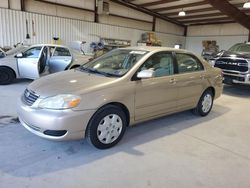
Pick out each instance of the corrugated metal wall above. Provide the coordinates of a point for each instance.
(13, 30)
(226, 35)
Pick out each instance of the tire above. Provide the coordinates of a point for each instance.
(205, 103)
(7, 75)
(101, 132)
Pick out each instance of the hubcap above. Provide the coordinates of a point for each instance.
(109, 128)
(207, 103)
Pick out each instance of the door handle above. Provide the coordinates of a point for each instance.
(202, 76)
(172, 81)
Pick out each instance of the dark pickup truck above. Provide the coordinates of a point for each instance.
(235, 63)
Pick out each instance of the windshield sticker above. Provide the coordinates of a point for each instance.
(137, 52)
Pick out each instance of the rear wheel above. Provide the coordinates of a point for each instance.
(106, 127)
(205, 103)
(6, 75)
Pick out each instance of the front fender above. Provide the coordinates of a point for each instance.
(11, 63)
(124, 95)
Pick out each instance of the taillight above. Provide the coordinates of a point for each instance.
(220, 76)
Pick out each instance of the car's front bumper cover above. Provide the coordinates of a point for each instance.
(236, 78)
(54, 124)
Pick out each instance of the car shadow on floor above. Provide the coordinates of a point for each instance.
(237, 90)
(22, 80)
(26, 155)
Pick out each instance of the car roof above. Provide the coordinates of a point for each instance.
(242, 43)
(155, 48)
(55, 45)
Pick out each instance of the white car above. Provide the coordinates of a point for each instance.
(12, 52)
(38, 60)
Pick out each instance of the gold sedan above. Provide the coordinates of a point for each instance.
(123, 87)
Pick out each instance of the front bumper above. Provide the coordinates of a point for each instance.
(54, 124)
(236, 78)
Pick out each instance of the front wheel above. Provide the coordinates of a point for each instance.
(205, 103)
(7, 76)
(106, 127)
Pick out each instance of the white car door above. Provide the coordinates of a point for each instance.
(60, 59)
(28, 64)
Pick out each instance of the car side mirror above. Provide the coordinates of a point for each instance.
(146, 74)
(19, 55)
(2, 54)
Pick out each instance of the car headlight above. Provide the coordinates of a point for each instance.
(60, 102)
(211, 62)
(248, 60)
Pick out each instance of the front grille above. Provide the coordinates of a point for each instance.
(29, 97)
(232, 64)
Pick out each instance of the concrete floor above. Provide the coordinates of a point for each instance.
(177, 151)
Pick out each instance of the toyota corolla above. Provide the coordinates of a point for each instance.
(121, 88)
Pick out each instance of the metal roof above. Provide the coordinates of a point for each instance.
(198, 12)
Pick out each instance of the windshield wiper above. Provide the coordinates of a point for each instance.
(103, 73)
(109, 74)
(81, 68)
(98, 72)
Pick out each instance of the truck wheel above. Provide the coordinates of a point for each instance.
(6, 75)
(205, 103)
(106, 127)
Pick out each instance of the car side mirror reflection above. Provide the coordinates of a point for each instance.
(146, 74)
(19, 55)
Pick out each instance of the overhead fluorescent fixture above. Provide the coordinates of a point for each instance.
(177, 46)
(246, 4)
(182, 13)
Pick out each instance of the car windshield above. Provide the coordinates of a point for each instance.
(115, 63)
(240, 48)
(16, 50)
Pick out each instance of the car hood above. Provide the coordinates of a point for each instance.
(227, 54)
(69, 82)
(8, 57)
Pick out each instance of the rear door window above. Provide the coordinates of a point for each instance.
(60, 51)
(187, 63)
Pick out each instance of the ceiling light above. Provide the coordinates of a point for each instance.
(182, 13)
(246, 5)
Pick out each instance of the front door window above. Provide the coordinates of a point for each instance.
(161, 63)
(32, 52)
